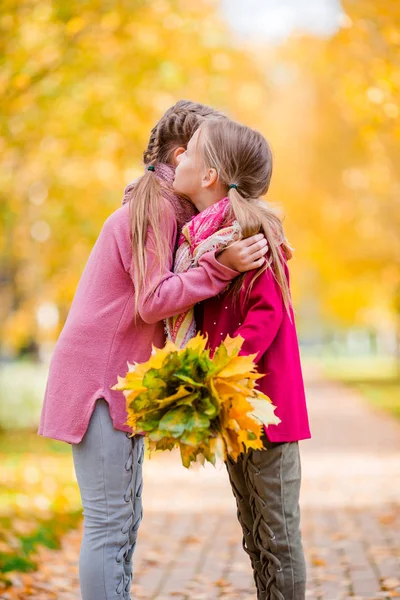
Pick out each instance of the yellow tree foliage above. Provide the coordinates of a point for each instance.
(334, 117)
(82, 85)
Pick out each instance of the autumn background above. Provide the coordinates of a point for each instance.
(81, 86)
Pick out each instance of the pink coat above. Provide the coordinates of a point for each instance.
(100, 334)
(262, 320)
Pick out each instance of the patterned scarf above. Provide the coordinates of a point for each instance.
(209, 230)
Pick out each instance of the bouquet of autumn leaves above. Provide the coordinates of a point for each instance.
(206, 407)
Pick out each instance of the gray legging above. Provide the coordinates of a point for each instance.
(108, 466)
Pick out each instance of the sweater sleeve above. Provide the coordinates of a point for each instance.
(166, 293)
(263, 313)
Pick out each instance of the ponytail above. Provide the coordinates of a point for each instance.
(144, 207)
(254, 215)
(243, 160)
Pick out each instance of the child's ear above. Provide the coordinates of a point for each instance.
(209, 178)
(174, 156)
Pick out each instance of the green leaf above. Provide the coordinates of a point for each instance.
(150, 422)
(170, 365)
(197, 421)
(220, 359)
(166, 444)
(189, 380)
(141, 402)
(209, 407)
(175, 421)
(180, 396)
(193, 438)
(154, 383)
(189, 400)
(158, 434)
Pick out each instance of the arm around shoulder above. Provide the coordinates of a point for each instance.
(166, 293)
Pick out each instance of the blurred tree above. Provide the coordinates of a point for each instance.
(82, 85)
(338, 161)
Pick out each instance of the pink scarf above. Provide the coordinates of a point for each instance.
(210, 230)
(184, 209)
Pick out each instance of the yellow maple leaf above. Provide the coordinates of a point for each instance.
(239, 406)
(263, 410)
(198, 343)
(238, 365)
(249, 424)
(233, 345)
(230, 388)
(245, 440)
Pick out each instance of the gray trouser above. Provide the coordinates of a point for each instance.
(108, 466)
(266, 485)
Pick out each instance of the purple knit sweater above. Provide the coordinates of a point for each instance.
(100, 334)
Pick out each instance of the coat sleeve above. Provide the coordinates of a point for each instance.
(166, 293)
(262, 313)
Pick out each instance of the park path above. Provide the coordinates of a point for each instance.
(189, 542)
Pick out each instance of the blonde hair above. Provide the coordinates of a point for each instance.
(174, 129)
(242, 156)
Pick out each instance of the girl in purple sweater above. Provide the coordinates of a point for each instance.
(226, 169)
(126, 290)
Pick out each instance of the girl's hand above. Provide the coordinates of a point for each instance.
(245, 255)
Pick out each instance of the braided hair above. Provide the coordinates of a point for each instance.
(173, 130)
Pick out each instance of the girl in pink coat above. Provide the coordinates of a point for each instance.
(125, 292)
(226, 169)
